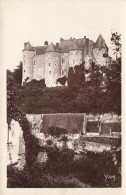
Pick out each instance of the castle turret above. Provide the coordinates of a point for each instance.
(100, 51)
(28, 62)
(100, 43)
(75, 54)
(52, 66)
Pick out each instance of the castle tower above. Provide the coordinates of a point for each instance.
(100, 51)
(52, 66)
(75, 54)
(28, 54)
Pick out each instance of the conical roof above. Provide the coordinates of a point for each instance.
(100, 43)
(51, 48)
(28, 47)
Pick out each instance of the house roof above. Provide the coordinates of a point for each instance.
(73, 122)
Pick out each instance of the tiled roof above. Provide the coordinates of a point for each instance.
(40, 50)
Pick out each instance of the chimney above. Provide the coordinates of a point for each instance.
(46, 43)
(87, 46)
(57, 45)
(61, 39)
(25, 44)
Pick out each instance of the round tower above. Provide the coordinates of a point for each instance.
(75, 54)
(52, 66)
(100, 51)
(28, 55)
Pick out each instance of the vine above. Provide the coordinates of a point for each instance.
(31, 142)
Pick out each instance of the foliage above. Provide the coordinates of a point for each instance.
(56, 131)
(37, 178)
(63, 170)
(59, 161)
(62, 80)
(17, 74)
(13, 112)
(76, 76)
(116, 42)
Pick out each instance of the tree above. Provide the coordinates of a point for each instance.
(113, 75)
(71, 77)
(76, 76)
(62, 80)
(13, 112)
(116, 43)
(17, 74)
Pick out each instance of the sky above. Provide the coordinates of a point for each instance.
(40, 20)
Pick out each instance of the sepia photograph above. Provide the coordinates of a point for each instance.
(63, 63)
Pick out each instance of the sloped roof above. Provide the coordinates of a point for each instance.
(51, 48)
(100, 42)
(73, 122)
(81, 42)
(40, 50)
(70, 44)
(28, 47)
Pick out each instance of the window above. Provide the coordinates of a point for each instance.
(49, 63)
(24, 56)
(49, 72)
(24, 62)
(73, 61)
(62, 60)
(24, 70)
(55, 64)
(33, 62)
(62, 72)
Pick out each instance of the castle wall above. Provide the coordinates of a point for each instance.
(64, 64)
(39, 67)
(27, 59)
(52, 68)
(75, 57)
(98, 54)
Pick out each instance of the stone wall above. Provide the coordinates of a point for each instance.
(27, 59)
(39, 67)
(52, 68)
(16, 146)
(75, 57)
(64, 64)
(98, 54)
